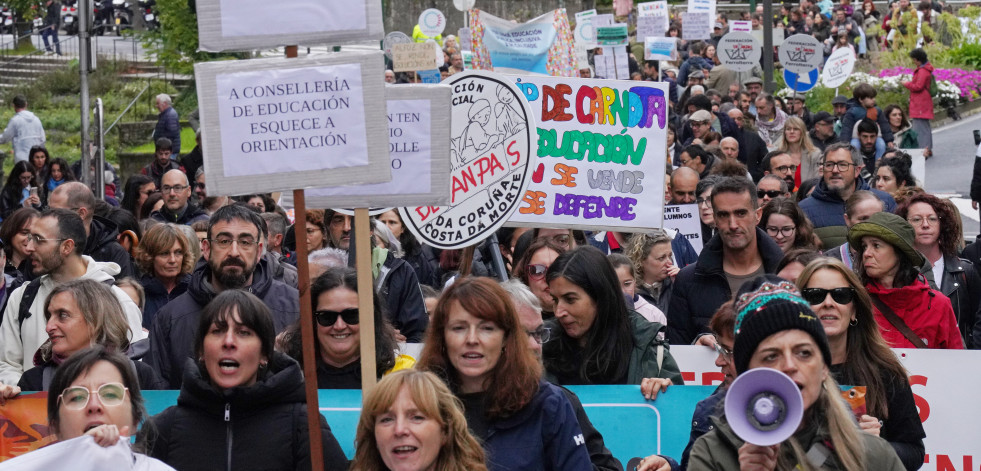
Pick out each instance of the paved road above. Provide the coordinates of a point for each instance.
(949, 171)
(123, 48)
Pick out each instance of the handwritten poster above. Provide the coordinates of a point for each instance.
(684, 219)
(601, 154)
(651, 27)
(698, 25)
(491, 144)
(410, 57)
(660, 48)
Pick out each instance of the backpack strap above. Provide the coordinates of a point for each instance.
(897, 322)
(26, 301)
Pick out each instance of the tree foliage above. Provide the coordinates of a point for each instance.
(175, 43)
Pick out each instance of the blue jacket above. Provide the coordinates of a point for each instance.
(701, 288)
(544, 435)
(855, 114)
(169, 126)
(825, 208)
(157, 296)
(700, 61)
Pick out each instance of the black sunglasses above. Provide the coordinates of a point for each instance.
(770, 193)
(817, 296)
(329, 318)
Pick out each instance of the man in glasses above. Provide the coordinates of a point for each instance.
(162, 163)
(780, 164)
(530, 316)
(769, 187)
(840, 169)
(55, 250)
(177, 208)
(101, 234)
(233, 252)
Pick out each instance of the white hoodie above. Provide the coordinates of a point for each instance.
(20, 345)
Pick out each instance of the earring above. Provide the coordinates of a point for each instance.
(853, 322)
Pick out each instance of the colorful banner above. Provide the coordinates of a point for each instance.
(601, 154)
(544, 45)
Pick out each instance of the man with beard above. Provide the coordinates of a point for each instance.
(101, 234)
(233, 251)
(840, 168)
(55, 249)
(397, 282)
(738, 252)
(780, 164)
(823, 131)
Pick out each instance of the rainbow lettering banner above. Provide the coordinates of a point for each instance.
(602, 147)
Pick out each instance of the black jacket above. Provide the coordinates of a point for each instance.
(10, 199)
(33, 379)
(157, 296)
(701, 288)
(400, 289)
(976, 179)
(962, 285)
(174, 326)
(752, 149)
(263, 426)
(102, 246)
(188, 216)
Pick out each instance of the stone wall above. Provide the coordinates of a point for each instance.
(402, 15)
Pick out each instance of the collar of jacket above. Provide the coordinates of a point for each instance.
(710, 260)
(202, 291)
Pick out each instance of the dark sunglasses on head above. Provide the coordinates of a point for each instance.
(770, 193)
(817, 296)
(329, 318)
(537, 271)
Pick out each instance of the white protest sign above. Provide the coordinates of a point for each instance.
(418, 130)
(777, 36)
(408, 57)
(659, 48)
(684, 220)
(650, 26)
(601, 154)
(740, 26)
(584, 34)
(463, 5)
(282, 124)
(739, 51)
(801, 53)
(838, 68)
(432, 22)
(465, 38)
(491, 143)
(623, 64)
(240, 25)
(605, 19)
(605, 66)
(698, 25)
(707, 6)
(944, 384)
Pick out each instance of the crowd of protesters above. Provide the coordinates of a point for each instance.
(161, 286)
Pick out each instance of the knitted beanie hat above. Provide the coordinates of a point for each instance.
(766, 305)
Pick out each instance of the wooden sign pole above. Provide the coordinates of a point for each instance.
(366, 306)
(306, 329)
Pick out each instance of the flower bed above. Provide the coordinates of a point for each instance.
(968, 82)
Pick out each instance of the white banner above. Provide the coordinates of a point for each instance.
(601, 154)
(683, 218)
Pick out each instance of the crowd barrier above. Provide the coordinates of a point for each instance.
(944, 382)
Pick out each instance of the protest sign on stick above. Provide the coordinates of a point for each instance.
(241, 25)
(282, 124)
(698, 25)
(601, 154)
(410, 57)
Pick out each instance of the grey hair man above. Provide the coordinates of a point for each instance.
(168, 124)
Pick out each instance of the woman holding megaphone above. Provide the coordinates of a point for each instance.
(776, 329)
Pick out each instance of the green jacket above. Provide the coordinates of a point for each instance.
(719, 450)
(643, 358)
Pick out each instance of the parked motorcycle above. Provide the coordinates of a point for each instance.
(6, 20)
(122, 14)
(69, 17)
(150, 18)
(102, 17)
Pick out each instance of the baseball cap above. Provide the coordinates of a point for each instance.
(824, 116)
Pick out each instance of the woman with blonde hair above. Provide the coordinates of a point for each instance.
(415, 409)
(165, 258)
(795, 141)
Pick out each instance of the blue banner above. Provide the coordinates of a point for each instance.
(518, 47)
(631, 426)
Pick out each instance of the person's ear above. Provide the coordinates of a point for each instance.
(278, 240)
(206, 249)
(67, 247)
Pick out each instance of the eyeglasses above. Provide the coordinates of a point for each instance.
(536, 271)
(768, 193)
(784, 231)
(723, 350)
(329, 318)
(843, 166)
(707, 201)
(226, 242)
(817, 296)
(699, 123)
(561, 239)
(175, 188)
(77, 397)
(541, 335)
(786, 168)
(930, 220)
(199, 185)
(38, 240)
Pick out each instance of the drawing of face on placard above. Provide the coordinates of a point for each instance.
(490, 147)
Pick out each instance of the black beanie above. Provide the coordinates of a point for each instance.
(766, 305)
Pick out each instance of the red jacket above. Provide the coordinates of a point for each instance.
(920, 101)
(926, 311)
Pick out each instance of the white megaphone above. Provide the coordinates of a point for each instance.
(764, 406)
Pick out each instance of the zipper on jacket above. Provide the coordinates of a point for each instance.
(228, 436)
